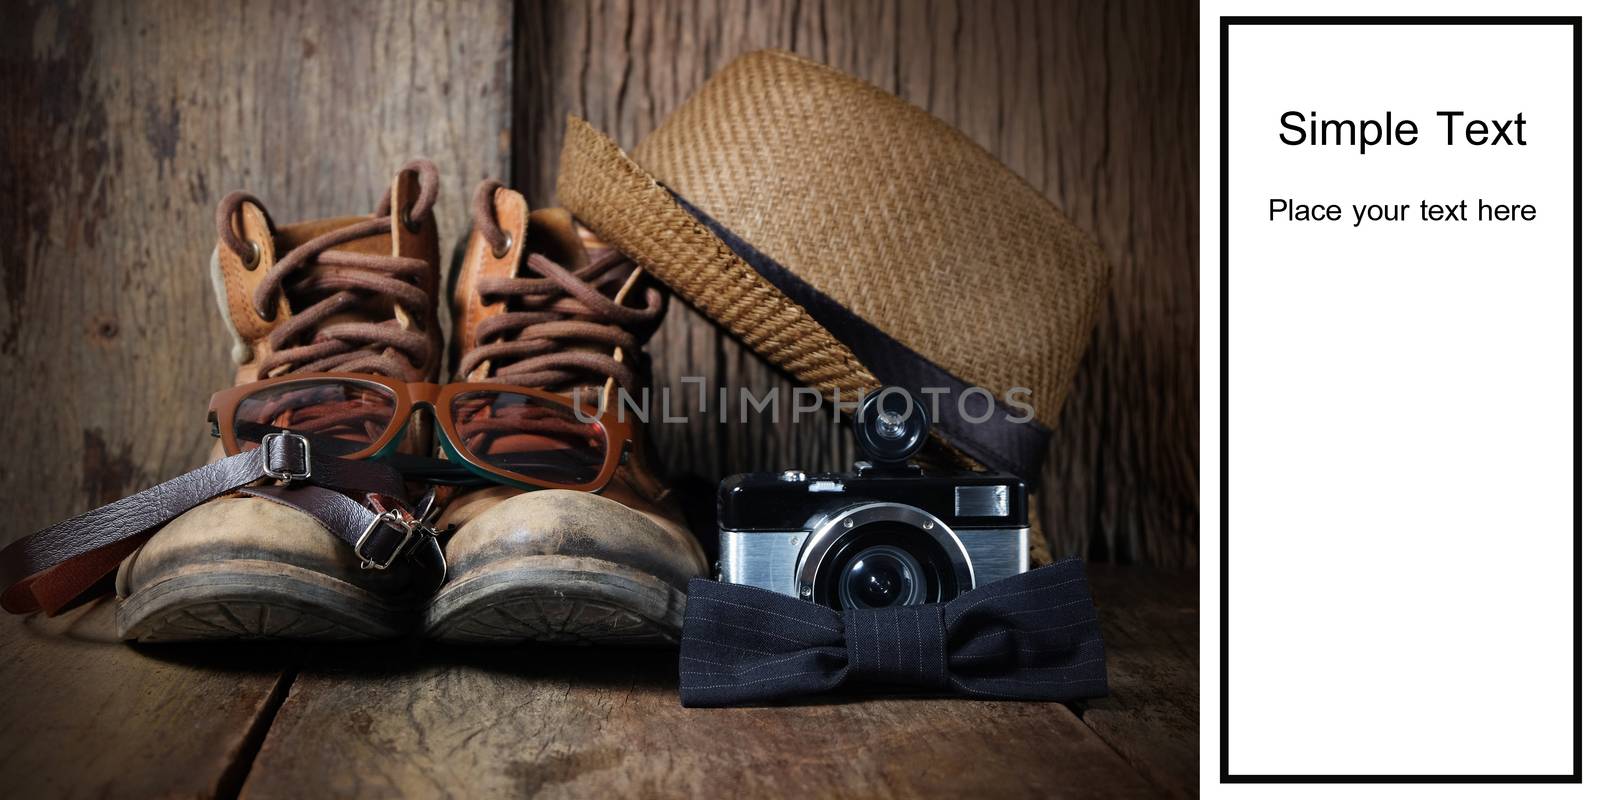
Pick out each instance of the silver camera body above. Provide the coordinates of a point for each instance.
(885, 534)
(869, 540)
(791, 562)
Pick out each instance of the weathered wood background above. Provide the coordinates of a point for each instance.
(126, 122)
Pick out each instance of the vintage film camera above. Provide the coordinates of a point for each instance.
(885, 534)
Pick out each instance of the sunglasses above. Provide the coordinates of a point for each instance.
(488, 432)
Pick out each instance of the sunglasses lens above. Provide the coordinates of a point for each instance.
(529, 436)
(336, 416)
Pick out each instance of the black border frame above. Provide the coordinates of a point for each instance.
(1577, 389)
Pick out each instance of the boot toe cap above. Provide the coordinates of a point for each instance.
(246, 529)
(568, 523)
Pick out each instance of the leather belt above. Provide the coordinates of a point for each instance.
(50, 568)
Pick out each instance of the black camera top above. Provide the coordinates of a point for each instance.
(890, 427)
(790, 500)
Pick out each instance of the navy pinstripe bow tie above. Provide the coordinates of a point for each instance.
(1029, 637)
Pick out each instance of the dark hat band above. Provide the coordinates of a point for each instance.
(1004, 444)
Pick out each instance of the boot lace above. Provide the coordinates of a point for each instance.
(321, 283)
(546, 337)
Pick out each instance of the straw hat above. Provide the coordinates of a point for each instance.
(854, 240)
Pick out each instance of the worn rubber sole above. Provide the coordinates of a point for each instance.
(560, 599)
(253, 599)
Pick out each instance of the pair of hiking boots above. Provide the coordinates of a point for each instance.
(536, 301)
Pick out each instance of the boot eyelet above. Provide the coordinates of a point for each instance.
(254, 259)
(411, 224)
(268, 314)
(503, 247)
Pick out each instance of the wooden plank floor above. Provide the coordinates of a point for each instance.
(1152, 718)
(83, 715)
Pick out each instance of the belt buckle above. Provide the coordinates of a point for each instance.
(398, 518)
(393, 518)
(272, 439)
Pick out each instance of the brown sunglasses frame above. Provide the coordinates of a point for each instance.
(408, 397)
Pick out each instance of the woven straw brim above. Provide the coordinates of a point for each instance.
(896, 215)
(623, 205)
(630, 206)
(850, 238)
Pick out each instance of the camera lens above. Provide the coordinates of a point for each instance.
(881, 576)
(886, 558)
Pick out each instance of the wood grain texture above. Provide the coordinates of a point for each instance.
(1094, 103)
(122, 125)
(1151, 624)
(83, 715)
(596, 723)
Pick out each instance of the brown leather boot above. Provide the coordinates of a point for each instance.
(353, 294)
(540, 302)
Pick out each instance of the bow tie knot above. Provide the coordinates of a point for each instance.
(897, 645)
(1033, 636)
